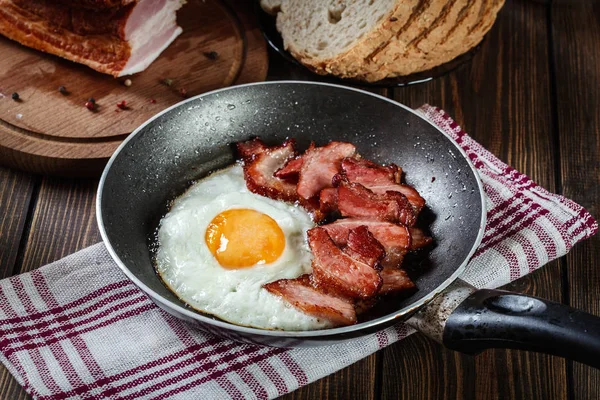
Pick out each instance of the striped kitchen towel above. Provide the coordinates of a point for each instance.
(78, 328)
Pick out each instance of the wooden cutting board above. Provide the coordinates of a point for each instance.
(51, 133)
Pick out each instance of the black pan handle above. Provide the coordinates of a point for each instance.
(500, 319)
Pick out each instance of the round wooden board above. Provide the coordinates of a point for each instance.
(51, 133)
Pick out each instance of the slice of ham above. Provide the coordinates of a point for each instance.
(335, 269)
(301, 294)
(319, 165)
(355, 200)
(380, 179)
(121, 41)
(395, 280)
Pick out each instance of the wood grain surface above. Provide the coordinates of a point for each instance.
(576, 57)
(32, 130)
(530, 96)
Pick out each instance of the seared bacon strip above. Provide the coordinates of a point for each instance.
(355, 200)
(291, 169)
(261, 162)
(333, 268)
(395, 239)
(391, 236)
(363, 247)
(301, 294)
(419, 239)
(319, 165)
(380, 179)
(359, 168)
(395, 280)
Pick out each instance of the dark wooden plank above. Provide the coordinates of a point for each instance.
(16, 194)
(503, 100)
(16, 189)
(576, 44)
(63, 222)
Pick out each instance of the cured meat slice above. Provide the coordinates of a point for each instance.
(290, 170)
(319, 166)
(395, 239)
(333, 268)
(121, 41)
(363, 247)
(261, 162)
(380, 179)
(395, 280)
(391, 236)
(355, 200)
(301, 294)
(96, 4)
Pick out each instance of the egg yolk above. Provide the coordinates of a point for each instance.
(241, 238)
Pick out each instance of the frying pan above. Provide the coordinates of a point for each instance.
(161, 158)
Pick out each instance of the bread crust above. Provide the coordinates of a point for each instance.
(413, 36)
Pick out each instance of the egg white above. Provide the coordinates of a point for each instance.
(188, 268)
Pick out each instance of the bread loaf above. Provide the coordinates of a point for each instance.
(372, 40)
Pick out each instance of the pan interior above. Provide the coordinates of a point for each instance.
(189, 141)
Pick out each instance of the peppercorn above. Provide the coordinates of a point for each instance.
(15, 96)
(122, 104)
(62, 90)
(92, 100)
(90, 105)
(152, 101)
(183, 92)
(211, 55)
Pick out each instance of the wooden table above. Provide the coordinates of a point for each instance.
(532, 97)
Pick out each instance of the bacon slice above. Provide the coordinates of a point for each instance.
(333, 268)
(391, 236)
(319, 165)
(261, 162)
(419, 239)
(363, 247)
(291, 170)
(395, 280)
(362, 169)
(116, 41)
(355, 200)
(395, 239)
(301, 294)
(380, 179)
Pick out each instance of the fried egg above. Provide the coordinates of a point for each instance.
(220, 243)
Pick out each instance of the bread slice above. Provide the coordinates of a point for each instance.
(376, 39)
(395, 61)
(336, 36)
(459, 45)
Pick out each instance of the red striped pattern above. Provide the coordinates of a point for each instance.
(102, 349)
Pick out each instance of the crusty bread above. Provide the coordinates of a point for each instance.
(376, 39)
